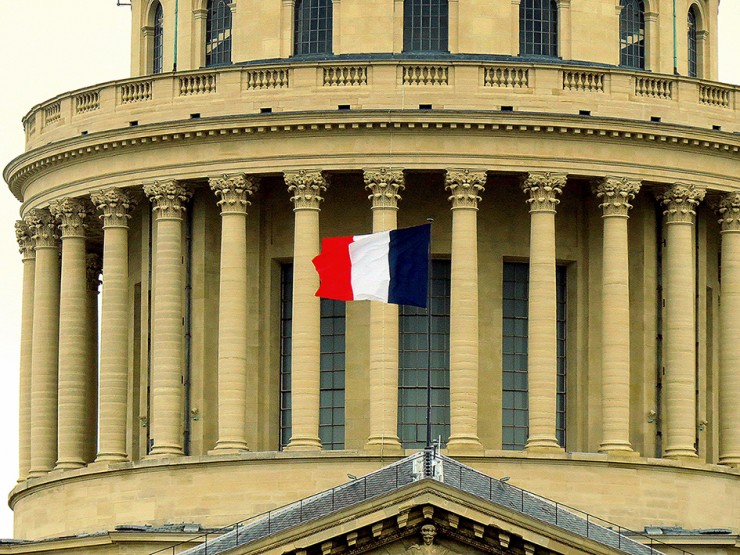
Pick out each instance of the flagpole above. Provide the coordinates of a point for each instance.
(429, 339)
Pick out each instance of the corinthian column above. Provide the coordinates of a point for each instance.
(465, 187)
(306, 188)
(26, 244)
(114, 206)
(679, 202)
(45, 351)
(543, 190)
(73, 352)
(384, 185)
(729, 329)
(233, 192)
(168, 199)
(615, 194)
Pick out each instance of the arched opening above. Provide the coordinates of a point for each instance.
(218, 33)
(313, 27)
(632, 34)
(538, 28)
(425, 26)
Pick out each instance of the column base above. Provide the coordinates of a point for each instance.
(376, 444)
(616, 447)
(159, 451)
(730, 460)
(111, 457)
(543, 444)
(38, 473)
(69, 465)
(464, 445)
(229, 448)
(304, 444)
(680, 453)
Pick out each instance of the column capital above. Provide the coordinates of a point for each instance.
(679, 202)
(43, 228)
(71, 214)
(465, 187)
(168, 198)
(306, 187)
(615, 194)
(234, 191)
(543, 189)
(114, 204)
(728, 209)
(384, 185)
(94, 266)
(26, 242)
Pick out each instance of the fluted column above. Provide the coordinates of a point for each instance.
(615, 194)
(306, 188)
(73, 336)
(45, 350)
(465, 187)
(679, 334)
(543, 190)
(233, 192)
(94, 268)
(168, 199)
(384, 185)
(729, 329)
(26, 244)
(114, 205)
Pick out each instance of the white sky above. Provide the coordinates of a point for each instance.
(54, 46)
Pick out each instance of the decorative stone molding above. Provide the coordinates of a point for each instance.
(24, 236)
(384, 185)
(306, 187)
(465, 186)
(71, 214)
(679, 202)
(543, 189)
(114, 204)
(94, 267)
(168, 198)
(729, 212)
(615, 194)
(234, 191)
(43, 227)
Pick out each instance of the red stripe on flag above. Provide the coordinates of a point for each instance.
(335, 269)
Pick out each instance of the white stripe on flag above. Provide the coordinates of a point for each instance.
(371, 275)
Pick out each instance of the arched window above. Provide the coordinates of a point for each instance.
(692, 43)
(425, 25)
(313, 27)
(158, 53)
(632, 34)
(538, 27)
(218, 33)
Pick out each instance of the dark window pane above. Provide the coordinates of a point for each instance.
(158, 58)
(313, 27)
(538, 28)
(218, 33)
(632, 34)
(692, 42)
(425, 25)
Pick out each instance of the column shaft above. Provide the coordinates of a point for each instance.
(26, 244)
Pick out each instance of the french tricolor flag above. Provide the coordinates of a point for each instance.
(390, 267)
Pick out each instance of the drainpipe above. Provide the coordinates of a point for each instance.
(177, 16)
(675, 41)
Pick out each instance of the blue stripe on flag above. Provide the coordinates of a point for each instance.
(408, 259)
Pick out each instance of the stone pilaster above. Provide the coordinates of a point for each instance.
(45, 350)
(679, 203)
(26, 245)
(114, 205)
(729, 309)
(306, 188)
(168, 200)
(615, 195)
(543, 190)
(233, 192)
(384, 185)
(465, 187)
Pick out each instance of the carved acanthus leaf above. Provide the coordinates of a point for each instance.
(71, 214)
(679, 202)
(234, 191)
(384, 185)
(43, 227)
(615, 194)
(543, 189)
(24, 236)
(729, 212)
(465, 187)
(115, 205)
(168, 198)
(306, 188)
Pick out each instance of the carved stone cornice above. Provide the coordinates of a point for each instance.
(71, 214)
(26, 243)
(615, 194)
(384, 185)
(168, 198)
(728, 209)
(465, 187)
(543, 189)
(94, 266)
(43, 227)
(679, 202)
(114, 204)
(233, 192)
(306, 187)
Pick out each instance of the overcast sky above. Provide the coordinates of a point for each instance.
(54, 46)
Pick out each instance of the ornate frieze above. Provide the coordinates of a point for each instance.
(94, 266)
(71, 214)
(24, 236)
(168, 198)
(543, 189)
(234, 191)
(465, 187)
(43, 227)
(384, 185)
(729, 212)
(306, 187)
(114, 204)
(615, 194)
(679, 202)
